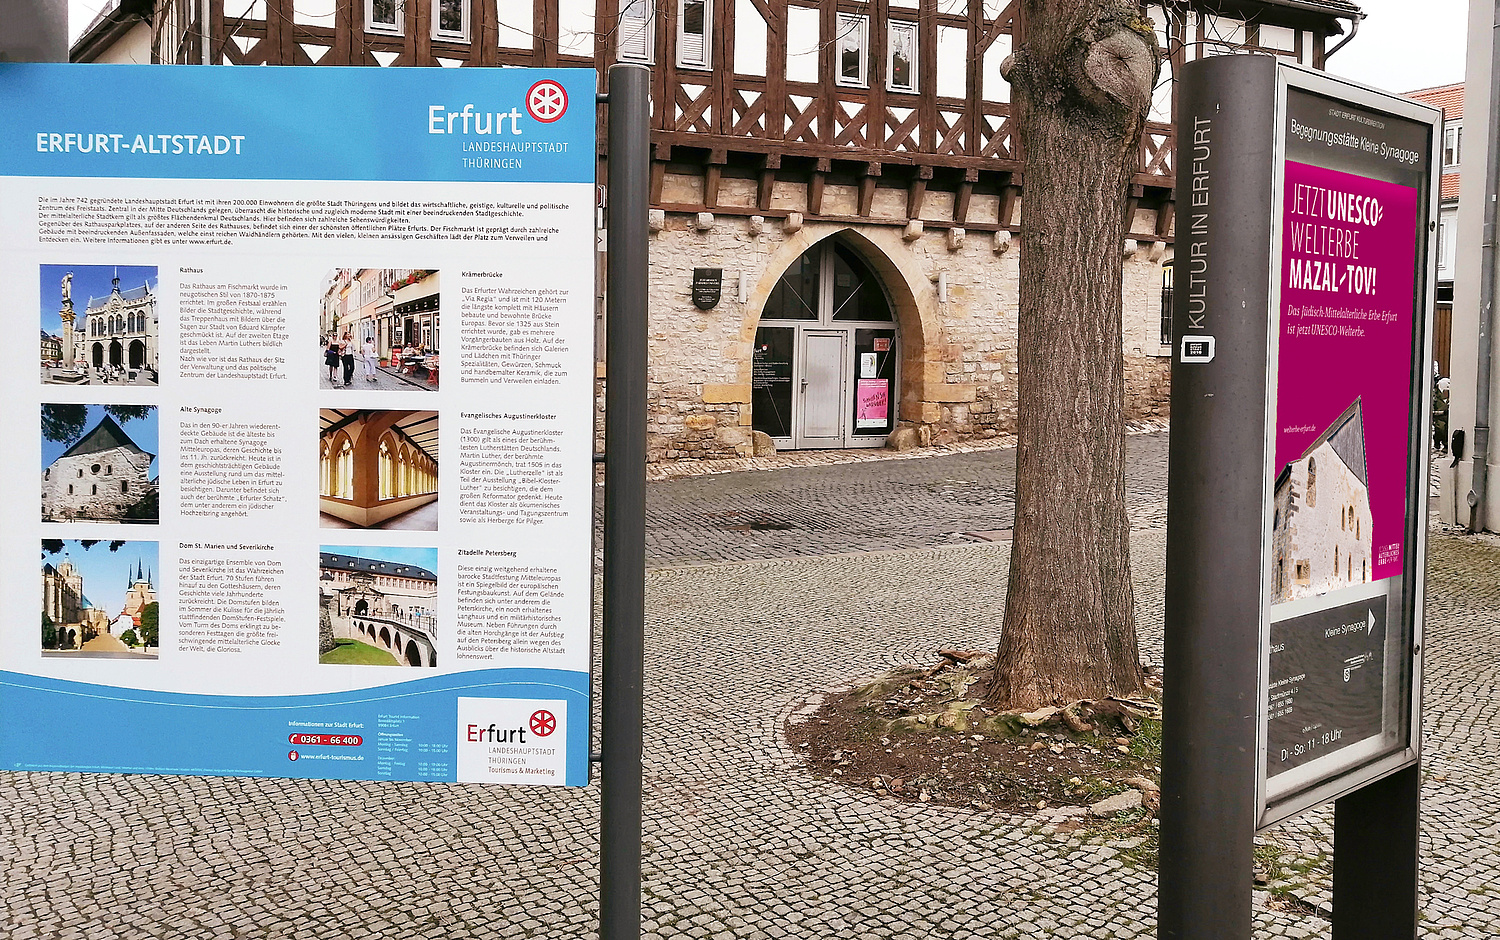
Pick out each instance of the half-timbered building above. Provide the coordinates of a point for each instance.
(844, 174)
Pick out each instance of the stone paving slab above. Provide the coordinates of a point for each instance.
(740, 842)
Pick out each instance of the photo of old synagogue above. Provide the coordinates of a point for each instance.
(378, 469)
(120, 620)
(1321, 533)
(114, 340)
(377, 606)
(93, 469)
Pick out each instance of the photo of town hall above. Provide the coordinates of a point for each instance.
(114, 339)
(99, 599)
(94, 469)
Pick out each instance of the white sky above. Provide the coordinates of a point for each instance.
(1402, 45)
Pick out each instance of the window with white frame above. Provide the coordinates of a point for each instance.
(637, 33)
(170, 38)
(853, 49)
(693, 25)
(384, 16)
(1453, 142)
(450, 20)
(901, 73)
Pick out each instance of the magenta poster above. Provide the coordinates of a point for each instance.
(872, 403)
(1344, 382)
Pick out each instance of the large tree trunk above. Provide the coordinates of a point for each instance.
(1082, 80)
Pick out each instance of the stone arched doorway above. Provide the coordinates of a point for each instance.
(116, 354)
(137, 354)
(98, 355)
(826, 358)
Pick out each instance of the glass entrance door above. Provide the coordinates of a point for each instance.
(826, 355)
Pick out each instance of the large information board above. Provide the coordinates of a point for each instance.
(1347, 393)
(282, 521)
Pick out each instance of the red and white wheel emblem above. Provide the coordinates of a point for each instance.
(546, 101)
(542, 723)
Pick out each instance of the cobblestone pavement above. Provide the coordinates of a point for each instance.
(740, 842)
(875, 505)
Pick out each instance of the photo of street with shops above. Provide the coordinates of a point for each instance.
(379, 329)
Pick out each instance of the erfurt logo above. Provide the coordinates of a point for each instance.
(511, 740)
(494, 735)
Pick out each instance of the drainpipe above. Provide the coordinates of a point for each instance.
(1353, 31)
(205, 39)
(1480, 480)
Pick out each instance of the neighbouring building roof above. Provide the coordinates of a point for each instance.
(1448, 97)
(1451, 99)
(115, 19)
(106, 435)
(373, 566)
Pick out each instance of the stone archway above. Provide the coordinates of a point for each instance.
(413, 655)
(137, 354)
(361, 607)
(98, 356)
(116, 353)
(908, 290)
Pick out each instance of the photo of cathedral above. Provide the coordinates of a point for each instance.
(99, 599)
(1320, 535)
(93, 469)
(114, 339)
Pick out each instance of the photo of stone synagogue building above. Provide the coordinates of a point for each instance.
(844, 182)
(1321, 533)
(104, 476)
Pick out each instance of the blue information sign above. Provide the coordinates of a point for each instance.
(239, 277)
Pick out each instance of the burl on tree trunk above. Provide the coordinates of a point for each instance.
(1082, 81)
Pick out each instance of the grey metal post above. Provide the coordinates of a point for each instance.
(1216, 462)
(624, 503)
(1479, 481)
(1375, 839)
(34, 31)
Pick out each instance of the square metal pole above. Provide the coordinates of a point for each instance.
(1376, 842)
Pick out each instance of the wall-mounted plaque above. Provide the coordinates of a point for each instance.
(708, 285)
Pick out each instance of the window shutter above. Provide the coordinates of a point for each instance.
(636, 33)
(692, 33)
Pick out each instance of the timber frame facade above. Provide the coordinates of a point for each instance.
(766, 90)
(849, 170)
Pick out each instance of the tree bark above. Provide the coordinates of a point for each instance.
(1082, 80)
